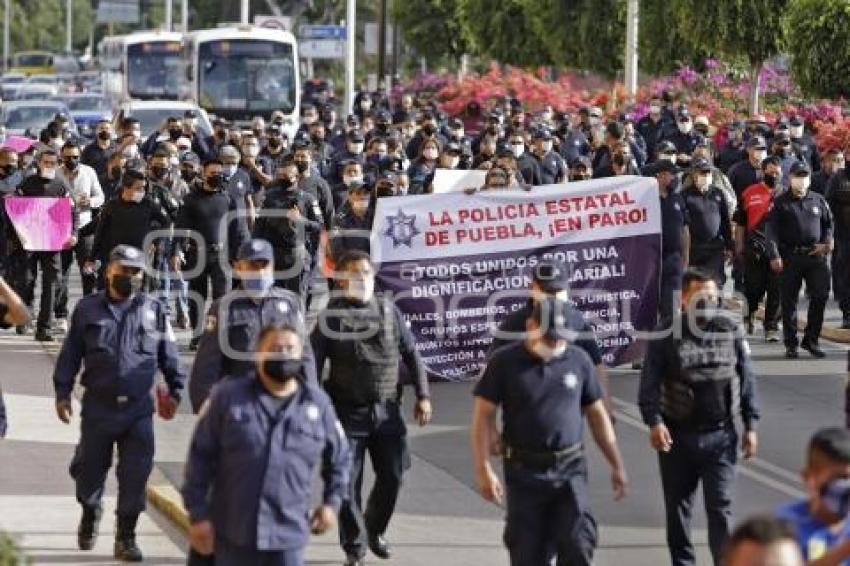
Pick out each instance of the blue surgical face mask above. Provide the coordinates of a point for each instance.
(835, 495)
(259, 284)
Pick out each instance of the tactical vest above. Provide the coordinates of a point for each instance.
(703, 387)
(364, 354)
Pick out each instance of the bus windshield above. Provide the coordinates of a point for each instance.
(153, 70)
(248, 75)
(33, 60)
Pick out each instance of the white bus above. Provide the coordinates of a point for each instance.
(142, 66)
(240, 72)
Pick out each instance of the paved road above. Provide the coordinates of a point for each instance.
(440, 520)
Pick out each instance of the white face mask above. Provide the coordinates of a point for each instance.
(800, 185)
(131, 152)
(136, 134)
(796, 131)
(174, 161)
(544, 352)
(355, 148)
(430, 154)
(654, 109)
(518, 150)
(137, 196)
(671, 157)
(351, 179)
(48, 174)
(702, 182)
(360, 290)
(760, 156)
(685, 127)
(546, 146)
(252, 150)
(593, 121)
(228, 170)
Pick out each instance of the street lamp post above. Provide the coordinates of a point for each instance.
(351, 38)
(631, 71)
(246, 11)
(69, 38)
(169, 10)
(7, 20)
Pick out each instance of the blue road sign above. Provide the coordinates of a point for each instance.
(321, 32)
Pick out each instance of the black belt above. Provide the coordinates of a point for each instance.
(699, 427)
(111, 399)
(801, 250)
(542, 461)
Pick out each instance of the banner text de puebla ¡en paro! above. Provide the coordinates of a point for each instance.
(458, 264)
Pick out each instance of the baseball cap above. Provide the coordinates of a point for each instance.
(664, 166)
(756, 142)
(665, 147)
(834, 442)
(549, 316)
(701, 164)
(255, 249)
(127, 256)
(190, 157)
(800, 169)
(551, 276)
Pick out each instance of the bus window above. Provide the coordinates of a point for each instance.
(246, 74)
(153, 69)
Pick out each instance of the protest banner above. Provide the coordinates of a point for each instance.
(42, 224)
(455, 180)
(456, 264)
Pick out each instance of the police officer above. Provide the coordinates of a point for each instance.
(733, 151)
(803, 144)
(800, 231)
(695, 382)
(311, 183)
(122, 337)
(291, 220)
(248, 477)
(550, 279)
(838, 197)
(653, 127)
(751, 247)
(710, 226)
(353, 224)
(363, 337)
(234, 322)
(553, 170)
(747, 172)
(832, 163)
(203, 212)
(544, 386)
(684, 137)
(675, 234)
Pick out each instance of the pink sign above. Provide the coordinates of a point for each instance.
(43, 224)
(19, 144)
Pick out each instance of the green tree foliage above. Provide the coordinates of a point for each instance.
(748, 29)
(819, 44)
(431, 27)
(502, 31)
(40, 24)
(664, 46)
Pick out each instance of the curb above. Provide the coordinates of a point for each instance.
(167, 500)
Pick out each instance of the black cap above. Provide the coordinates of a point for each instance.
(356, 136)
(701, 164)
(452, 147)
(358, 187)
(834, 442)
(782, 136)
(455, 124)
(128, 256)
(683, 115)
(799, 169)
(581, 161)
(255, 249)
(383, 116)
(797, 121)
(664, 166)
(541, 134)
(136, 165)
(190, 113)
(352, 120)
(736, 125)
(756, 142)
(300, 143)
(190, 157)
(550, 317)
(665, 147)
(551, 276)
(386, 177)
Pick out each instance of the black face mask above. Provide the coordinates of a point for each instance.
(215, 181)
(116, 172)
(175, 133)
(771, 181)
(274, 143)
(188, 175)
(104, 136)
(302, 166)
(282, 370)
(285, 183)
(619, 159)
(317, 139)
(125, 285)
(429, 129)
(10, 169)
(159, 172)
(72, 162)
(582, 177)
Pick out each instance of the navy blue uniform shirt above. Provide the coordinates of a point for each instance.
(120, 348)
(250, 465)
(798, 222)
(709, 224)
(541, 401)
(674, 217)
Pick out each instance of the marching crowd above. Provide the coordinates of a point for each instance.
(254, 221)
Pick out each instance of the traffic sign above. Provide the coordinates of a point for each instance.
(118, 12)
(283, 23)
(321, 32)
(322, 49)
